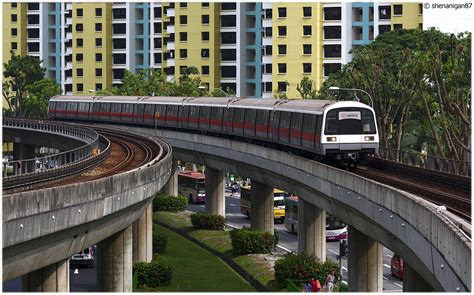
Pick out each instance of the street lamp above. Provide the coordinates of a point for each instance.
(202, 87)
(354, 89)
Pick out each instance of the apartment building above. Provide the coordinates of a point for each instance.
(255, 49)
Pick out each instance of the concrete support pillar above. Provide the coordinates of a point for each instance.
(52, 278)
(142, 249)
(311, 230)
(215, 192)
(171, 187)
(114, 262)
(22, 152)
(261, 203)
(413, 282)
(365, 263)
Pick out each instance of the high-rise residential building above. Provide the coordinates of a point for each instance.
(254, 49)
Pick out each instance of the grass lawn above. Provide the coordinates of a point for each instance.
(197, 270)
(220, 241)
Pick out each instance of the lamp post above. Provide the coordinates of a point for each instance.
(354, 89)
(202, 87)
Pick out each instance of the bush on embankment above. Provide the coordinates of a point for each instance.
(247, 241)
(153, 274)
(202, 220)
(170, 203)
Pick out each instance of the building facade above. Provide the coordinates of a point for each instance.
(252, 49)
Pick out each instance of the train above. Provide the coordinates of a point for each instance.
(344, 130)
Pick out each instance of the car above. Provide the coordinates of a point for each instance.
(83, 258)
(396, 266)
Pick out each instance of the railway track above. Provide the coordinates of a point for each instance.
(455, 195)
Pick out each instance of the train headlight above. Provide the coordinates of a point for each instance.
(368, 138)
(331, 138)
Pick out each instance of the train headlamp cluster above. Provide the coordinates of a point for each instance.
(331, 138)
(368, 138)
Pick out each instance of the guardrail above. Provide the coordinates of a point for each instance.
(55, 161)
(428, 162)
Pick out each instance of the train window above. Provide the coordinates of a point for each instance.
(194, 112)
(104, 109)
(239, 115)
(95, 109)
(204, 117)
(285, 119)
(185, 116)
(250, 116)
(72, 106)
(52, 105)
(309, 123)
(149, 109)
(115, 110)
(171, 115)
(160, 113)
(331, 122)
(61, 105)
(368, 123)
(127, 111)
(296, 121)
(216, 113)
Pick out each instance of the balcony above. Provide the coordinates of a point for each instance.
(170, 29)
(170, 45)
(170, 12)
(170, 62)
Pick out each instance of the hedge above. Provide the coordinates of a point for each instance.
(302, 267)
(153, 274)
(246, 241)
(160, 240)
(202, 220)
(170, 203)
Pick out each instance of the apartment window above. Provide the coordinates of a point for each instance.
(80, 87)
(79, 12)
(307, 12)
(98, 72)
(332, 13)
(332, 32)
(183, 36)
(397, 9)
(228, 6)
(229, 71)
(384, 29)
(306, 30)
(98, 27)
(282, 68)
(205, 52)
(14, 32)
(33, 33)
(384, 12)
(183, 53)
(33, 19)
(228, 21)
(268, 86)
(14, 18)
(332, 50)
(282, 86)
(33, 6)
(33, 47)
(282, 12)
(121, 43)
(14, 45)
(157, 58)
(98, 42)
(80, 42)
(79, 57)
(79, 27)
(98, 86)
(268, 69)
(158, 42)
(183, 4)
(79, 72)
(397, 26)
(205, 36)
(157, 27)
(121, 29)
(307, 49)
(420, 26)
(119, 59)
(98, 57)
(281, 31)
(14, 5)
(183, 19)
(205, 70)
(205, 4)
(331, 68)
(420, 9)
(229, 54)
(306, 68)
(267, 50)
(98, 12)
(120, 13)
(205, 19)
(281, 49)
(68, 87)
(268, 31)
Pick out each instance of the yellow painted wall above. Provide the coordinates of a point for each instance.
(89, 64)
(410, 18)
(294, 41)
(194, 44)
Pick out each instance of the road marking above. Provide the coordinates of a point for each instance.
(386, 265)
(396, 290)
(388, 255)
(202, 206)
(344, 282)
(233, 205)
(385, 278)
(337, 253)
(283, 232)
(76, 271)
(398, 285)
(344, 268)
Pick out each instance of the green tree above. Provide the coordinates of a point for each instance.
(39, 93)
(306, 88)
(19, 73)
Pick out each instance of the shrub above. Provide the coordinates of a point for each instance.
(246, 241)
(160, 240)
(302, 267)
(170, 203)
(203, 220)
(153, 274)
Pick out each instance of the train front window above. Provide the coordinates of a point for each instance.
(349, 121)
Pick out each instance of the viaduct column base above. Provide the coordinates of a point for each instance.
(311, 230)
(143, 236)
(215, 192)
(261, 203)
(365, 263)
(171, 187)
(114, 262)
(413, 282)
(52, 278)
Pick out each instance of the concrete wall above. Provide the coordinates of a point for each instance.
(44, 226)
(402, 222)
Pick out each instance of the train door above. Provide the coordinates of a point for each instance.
(115, 109)
(215, 122)
(295, 128)
(249, 122)
(309, 131)
(261, 123)
(204, 115)
(238, 122)
(149, 114)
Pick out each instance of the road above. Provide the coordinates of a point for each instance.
(84, 279)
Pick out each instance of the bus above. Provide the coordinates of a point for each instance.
(278, 203)
(192, 185)
(335, 229)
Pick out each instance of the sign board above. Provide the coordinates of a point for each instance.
(349, 115)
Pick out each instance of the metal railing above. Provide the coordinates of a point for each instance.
(55, 161)
(428, 162)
